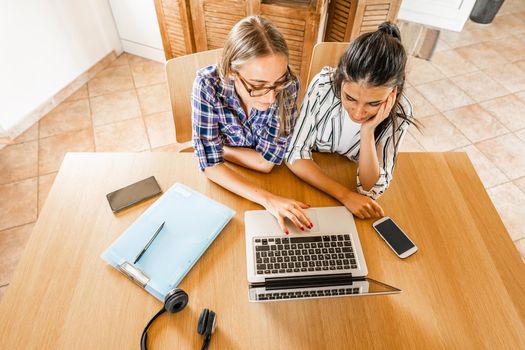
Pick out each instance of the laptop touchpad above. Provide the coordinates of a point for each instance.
(312, 215)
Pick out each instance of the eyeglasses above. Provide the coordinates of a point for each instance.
(254, 91)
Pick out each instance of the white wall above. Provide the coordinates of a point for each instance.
(444, 14)
(44, 46)
(138, 28)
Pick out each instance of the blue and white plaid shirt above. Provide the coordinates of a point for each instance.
(219, 119)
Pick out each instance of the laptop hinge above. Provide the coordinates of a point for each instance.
(308, 281)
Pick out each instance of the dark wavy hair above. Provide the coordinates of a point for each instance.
(377, 59)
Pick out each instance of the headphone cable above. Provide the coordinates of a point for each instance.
(144, 337)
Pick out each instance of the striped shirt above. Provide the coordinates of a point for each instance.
(319, 128)
(219, 120)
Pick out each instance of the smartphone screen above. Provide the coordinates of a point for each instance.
(134, 193)
(394, 236)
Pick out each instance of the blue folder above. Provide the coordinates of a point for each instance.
(192, 222)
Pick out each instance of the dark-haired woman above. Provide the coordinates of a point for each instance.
(357, 110)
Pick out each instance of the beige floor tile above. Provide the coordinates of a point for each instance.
(122, 60)
(438, 134)
(154, 99)
(482, 55)
(506, 152)
(511, 6)
(444, 95)
(451, 63)
(421, 71)
(19, 203)
(161, 129)
(520, 245)
(521, 134)
(28, 135)
(520, 64)
(53, 149)
(485, 32)
(111, 80)
(80, 94)
(125, 136)
(441, 46)
(510, 203)
(410, 144)
(68, 116)
(475, 123)
(458, 39)
(421, 107)
(148, 73)
(511, 23)
(115, 107)
(508, 110)
(511, 47)
(135, 59)
(520, 95)
(12, 245)
(480, 86)
(18, 162)
(508, 75)
(489, 174)
(44, 185)
(520, 183)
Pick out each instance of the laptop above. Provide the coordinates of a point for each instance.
(326, 261)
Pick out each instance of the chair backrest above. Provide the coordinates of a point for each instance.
(181, 75)
(325, 54)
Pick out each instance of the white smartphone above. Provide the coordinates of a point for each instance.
(396, 239)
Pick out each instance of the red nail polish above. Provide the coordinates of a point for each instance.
(287, 232)
(302, 228)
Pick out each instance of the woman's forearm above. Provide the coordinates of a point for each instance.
(229, 179)
(248, 158)
(368, 163)
(311, 173)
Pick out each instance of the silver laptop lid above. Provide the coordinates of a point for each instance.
(332, 224)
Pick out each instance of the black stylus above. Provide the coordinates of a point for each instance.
(149, 243)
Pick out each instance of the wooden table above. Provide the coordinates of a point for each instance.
(464, 289)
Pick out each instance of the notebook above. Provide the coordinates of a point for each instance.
(191, 222)
(325, 261)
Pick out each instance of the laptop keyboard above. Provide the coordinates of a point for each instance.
(276, 255)
(307, 294)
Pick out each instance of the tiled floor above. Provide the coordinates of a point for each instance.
(470, 97)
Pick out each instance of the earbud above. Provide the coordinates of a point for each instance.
(175, 300)
(206, 326)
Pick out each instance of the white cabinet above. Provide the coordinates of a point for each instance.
(445, 14)
(137, 25)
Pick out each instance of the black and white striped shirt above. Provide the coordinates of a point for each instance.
(319, 128)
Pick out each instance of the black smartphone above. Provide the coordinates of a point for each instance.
(394, 237)
(133, 194)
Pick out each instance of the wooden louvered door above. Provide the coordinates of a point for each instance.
(348, 19)
(213, 19)
(175, 27)
(299, 26)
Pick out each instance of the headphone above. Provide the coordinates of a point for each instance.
(175, 301)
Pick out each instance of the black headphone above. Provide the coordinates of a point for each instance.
(175, 301)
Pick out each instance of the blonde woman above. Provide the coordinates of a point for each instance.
(244, 110)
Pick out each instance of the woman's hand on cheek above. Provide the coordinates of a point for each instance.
(382, 113)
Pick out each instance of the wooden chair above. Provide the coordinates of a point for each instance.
(181, 75)
(325, 54)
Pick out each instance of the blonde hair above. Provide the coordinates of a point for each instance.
(253, 37)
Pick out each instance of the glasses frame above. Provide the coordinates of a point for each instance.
(251, 89)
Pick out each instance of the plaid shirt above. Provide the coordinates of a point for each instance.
(219, 119)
